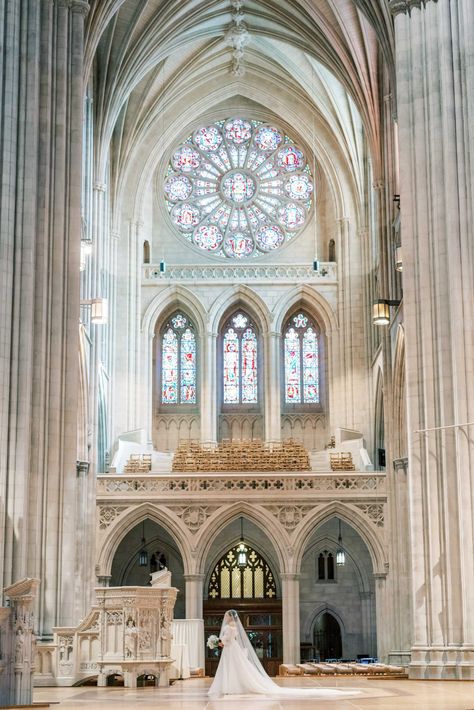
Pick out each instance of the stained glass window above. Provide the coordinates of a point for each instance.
(240, 368)
(301, 361)
(178, 362)
(229, 581)
(238, 188)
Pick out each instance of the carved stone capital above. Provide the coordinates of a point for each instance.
(82, 468)
(100, 186)
(398, 7)
(81, 7)
(400, 464)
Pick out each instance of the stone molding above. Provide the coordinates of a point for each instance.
(299, 273)
(398, 7)
(110, 487)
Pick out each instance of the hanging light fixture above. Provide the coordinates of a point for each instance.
(143, 554)
(242, 550)
(340, 554)
(381, 311)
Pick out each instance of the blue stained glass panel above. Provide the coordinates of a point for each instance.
(231, 367)
(249, 367)
(292, 367)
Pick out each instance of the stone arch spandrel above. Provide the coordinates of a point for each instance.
(312, 301)
(373, 539)
(240, 296)
(260, 517)
(129, 519)
(169, 299)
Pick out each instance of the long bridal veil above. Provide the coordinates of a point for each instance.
(240, 670)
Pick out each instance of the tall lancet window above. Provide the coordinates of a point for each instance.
(178, 361)
(301, 360)
(240, 369)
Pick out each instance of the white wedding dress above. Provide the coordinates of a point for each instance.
(240, 672)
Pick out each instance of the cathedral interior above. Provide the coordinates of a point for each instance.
(231, 346)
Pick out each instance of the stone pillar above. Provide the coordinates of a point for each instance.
(399, 577)
(208, 396)
(290, 591)
(40, 223)
(22, 640)
(272, 387)
(194, 595)
(435, 86)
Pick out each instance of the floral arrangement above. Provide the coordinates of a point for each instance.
(213, 642)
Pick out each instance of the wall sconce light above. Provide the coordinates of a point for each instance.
(316, 265)
(381, 311)
(162, 266)
(398, 258)
(99, 310)
(340, 554)
(242, 550)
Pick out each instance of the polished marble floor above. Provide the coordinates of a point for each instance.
(192, 695)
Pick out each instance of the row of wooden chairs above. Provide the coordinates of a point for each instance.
(341, 462)
(366, 669)
(242, 455)
(138, 463)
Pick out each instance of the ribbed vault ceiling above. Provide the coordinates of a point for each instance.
(151, 60)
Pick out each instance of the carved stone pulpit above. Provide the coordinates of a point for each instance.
(18, 643)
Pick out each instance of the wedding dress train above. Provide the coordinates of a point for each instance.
(240, 672)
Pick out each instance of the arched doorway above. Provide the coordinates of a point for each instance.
(251, 589)
(327, 638)
(145, 549)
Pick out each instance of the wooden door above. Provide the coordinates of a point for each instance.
(262, 620)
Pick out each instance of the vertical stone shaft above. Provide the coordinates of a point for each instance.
(41, 138)
(435, 75)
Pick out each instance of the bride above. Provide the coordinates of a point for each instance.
(240, 672)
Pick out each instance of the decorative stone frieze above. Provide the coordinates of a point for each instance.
(194, 516)
(290, 516)
(108, 513)
(255, 273)
(374, 512)
(181, 484)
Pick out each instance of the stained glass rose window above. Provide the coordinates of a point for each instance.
(238, 188)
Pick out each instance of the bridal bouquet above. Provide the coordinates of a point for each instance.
(213, 642)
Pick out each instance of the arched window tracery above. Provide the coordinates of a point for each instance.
(301, 360)
(178, 361)
(238, 188)
(254, 581)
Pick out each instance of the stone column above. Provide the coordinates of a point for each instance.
(290, 590)
(40, 223)
(208, 395)
(273, 390)
(435, 89)
(194, 595)
(399, 577)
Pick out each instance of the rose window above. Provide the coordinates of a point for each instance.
(238, 188)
